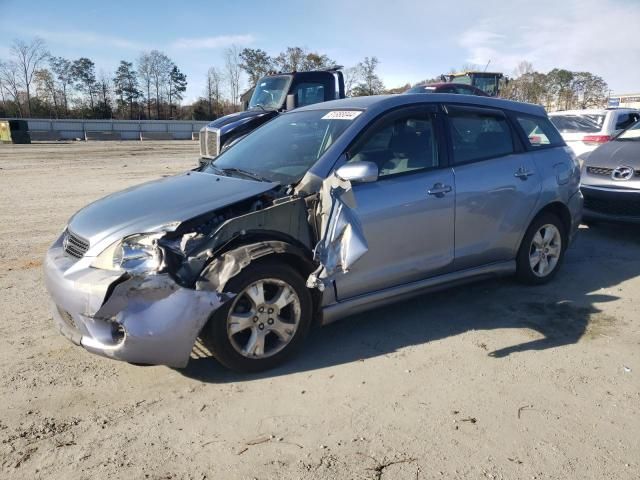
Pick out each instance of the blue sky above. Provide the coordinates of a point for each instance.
(412, 39)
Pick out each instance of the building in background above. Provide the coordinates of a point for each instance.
(624, 100)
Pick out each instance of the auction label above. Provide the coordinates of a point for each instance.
(342, 115)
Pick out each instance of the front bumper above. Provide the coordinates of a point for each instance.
(143, 319)
(611, 204)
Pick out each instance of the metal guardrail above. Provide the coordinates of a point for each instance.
(70, 129)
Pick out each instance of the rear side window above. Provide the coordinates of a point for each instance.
(539, 132)
(625, 120)
(478, 135)
(309, 93)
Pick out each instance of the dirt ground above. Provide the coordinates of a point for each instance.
(492, 380)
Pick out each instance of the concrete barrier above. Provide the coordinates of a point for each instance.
(45, 136)
(156, 136)
(46, 129)
(101, 136)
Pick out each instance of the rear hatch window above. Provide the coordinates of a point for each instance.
(577, 123)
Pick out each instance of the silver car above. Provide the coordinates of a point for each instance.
(611, 179)
(323, 212)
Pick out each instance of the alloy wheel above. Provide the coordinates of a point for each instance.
(545, 250)
(263, 318)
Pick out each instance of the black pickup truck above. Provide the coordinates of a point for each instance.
(272, 94)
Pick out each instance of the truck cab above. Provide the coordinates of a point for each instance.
(272, 94)
(489, 82)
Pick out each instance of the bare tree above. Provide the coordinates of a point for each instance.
(61, 67)
(161, 67)
(144, 70)
(28, 57)
(352, 76)
(212, 90)
(233, 70)
(10, 75)
(46, 88)
(370, 83)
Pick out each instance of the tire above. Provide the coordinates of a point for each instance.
(527, 270)
(261, 339)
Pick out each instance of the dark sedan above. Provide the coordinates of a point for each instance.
(611, 179)
(447, 87)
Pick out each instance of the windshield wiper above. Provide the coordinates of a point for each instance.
(261, 106)
(246, 173)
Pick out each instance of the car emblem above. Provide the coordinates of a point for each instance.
(622, 173)
(65, 241)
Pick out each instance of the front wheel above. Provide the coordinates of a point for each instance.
(541, 251)
(265, 323)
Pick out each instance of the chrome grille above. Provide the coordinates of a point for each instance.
(212, 143)
(203, 142)
(74, 245)
(606, 172)
(600, 171)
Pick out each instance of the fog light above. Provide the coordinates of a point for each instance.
(117, 332)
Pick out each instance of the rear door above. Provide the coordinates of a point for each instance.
(407, 215)
(497, 185)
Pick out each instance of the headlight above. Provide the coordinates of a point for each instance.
(135, 254)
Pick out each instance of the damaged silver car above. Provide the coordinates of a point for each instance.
(324, 211)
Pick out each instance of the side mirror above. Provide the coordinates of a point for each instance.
(291, 101)
(358, 172)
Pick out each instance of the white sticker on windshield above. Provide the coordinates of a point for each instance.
(342, 115)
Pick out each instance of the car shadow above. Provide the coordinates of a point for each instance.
(559, 313)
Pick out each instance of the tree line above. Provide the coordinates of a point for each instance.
(35, 83)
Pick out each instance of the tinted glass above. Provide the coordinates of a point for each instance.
(631, 133)
(539, 131)
(283, 149)
(399, 145)
(309, 93)
(575, 123)
(624, 120)
(479, 135)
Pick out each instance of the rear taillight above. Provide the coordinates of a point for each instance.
(595, 139)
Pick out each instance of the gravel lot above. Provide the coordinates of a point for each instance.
(492, 380)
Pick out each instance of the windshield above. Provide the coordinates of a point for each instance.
(576, 123)
(631, 133)
(270, 92)
(283, 149)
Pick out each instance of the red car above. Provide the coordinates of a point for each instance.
(446, 87)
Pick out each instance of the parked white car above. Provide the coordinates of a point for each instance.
(585, 130)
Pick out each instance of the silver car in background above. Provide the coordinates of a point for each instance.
(611, 179)
(323, 212)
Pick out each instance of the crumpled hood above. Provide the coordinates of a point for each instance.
(151, 205)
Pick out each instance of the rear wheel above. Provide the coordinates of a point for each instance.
(267, 320)
(542, 250)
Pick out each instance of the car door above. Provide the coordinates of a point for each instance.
(496, 182)
(406, 215)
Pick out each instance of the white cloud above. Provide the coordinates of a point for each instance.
(219, 41)
(585, 35)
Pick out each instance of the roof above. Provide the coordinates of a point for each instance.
(592, 111)
(467, 72)
(384, 102)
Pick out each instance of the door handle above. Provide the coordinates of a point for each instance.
(522, 173)
(439, 190)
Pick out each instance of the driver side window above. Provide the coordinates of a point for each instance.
(400, 144)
